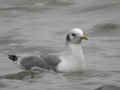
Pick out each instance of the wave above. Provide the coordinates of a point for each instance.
(33, 4)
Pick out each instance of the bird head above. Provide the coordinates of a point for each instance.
(75, 36)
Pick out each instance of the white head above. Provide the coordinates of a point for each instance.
(75, 36)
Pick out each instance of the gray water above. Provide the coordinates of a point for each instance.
(39, 26)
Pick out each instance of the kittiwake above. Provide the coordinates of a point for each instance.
(70, 60)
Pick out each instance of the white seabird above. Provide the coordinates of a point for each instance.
(71, 60)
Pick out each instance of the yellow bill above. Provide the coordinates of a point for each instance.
(84, 37)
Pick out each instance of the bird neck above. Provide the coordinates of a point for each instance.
(76, 50)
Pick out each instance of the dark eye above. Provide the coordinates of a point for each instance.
(73, 34)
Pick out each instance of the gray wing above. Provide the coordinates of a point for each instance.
(44, 61)
(33, 61)
(51, 60)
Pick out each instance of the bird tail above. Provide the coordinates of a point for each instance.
(13, 57)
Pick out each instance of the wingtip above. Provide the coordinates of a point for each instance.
(13, 57)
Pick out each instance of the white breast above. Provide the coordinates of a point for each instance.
(70, 65)
(73, 62)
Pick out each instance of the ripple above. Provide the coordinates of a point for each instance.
(34, 5)
(108, 87)
(107, 26)
(106, 29)
(21, 75)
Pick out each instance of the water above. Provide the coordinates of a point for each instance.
(39, 26)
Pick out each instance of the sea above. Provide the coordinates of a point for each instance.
(39, 27)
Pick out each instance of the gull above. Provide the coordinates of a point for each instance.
(70, 60)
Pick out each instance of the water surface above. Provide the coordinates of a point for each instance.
(39, 26)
